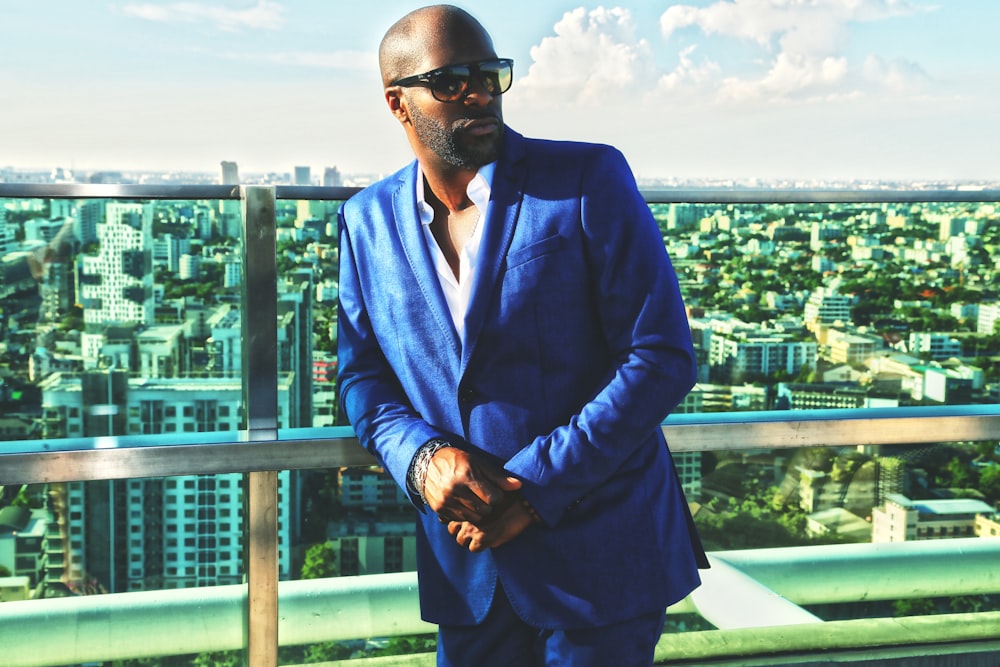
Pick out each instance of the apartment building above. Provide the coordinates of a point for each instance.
(141, 534)
(900, 519)
(740, 356)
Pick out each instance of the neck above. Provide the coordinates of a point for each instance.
(448, 186)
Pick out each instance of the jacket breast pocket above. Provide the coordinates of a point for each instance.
(533, 251)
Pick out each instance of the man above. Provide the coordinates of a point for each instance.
(511, 337)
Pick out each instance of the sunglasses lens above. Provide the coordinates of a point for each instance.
(451, 83)
(496, 76)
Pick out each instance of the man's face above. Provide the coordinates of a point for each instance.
(469, 141)
(466, 133)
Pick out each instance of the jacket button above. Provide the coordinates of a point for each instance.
(466, 395)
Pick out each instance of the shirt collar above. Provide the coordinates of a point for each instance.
(479, 189)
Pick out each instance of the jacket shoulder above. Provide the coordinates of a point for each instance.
(570, 156)
(379, 193)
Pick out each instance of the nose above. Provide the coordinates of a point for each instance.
(477, 93)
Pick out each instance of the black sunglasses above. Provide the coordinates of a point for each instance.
(451, 82)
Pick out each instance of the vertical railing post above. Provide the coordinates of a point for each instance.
(260, 391)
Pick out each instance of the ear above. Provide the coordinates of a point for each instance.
(397, 107)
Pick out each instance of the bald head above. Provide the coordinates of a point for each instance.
(406, 44)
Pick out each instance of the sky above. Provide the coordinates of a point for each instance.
(807, 90)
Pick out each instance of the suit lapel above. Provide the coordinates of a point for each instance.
(411, 235)
(505, 204)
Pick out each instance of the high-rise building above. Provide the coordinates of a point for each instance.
(230, 173)
(143, 534)
(224, 346)
(6, 236)
(116, 284)
(295, 349)
(308, 209)
(230, 210)
(168, 249)
(331, 177)
(302, 176)
(89, 214)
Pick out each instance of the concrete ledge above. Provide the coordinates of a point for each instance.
(805, 644)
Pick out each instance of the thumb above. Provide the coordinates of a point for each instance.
(502, 480)
(508, 483)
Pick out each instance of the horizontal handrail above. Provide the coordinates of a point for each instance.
(87, 459)
(658, 195)
(134, 625)
(909, 640)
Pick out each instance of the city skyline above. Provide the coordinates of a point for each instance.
(743, 89)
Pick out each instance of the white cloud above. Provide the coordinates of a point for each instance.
(592, 56)
(790, 74)
(688, 73)
(803, 41)
(800, 25)
(599, 56)
(896, 75)
(264, 15)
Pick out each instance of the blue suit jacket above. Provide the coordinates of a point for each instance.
(577, 348)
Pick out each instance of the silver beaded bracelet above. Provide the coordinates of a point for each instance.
(421, 461)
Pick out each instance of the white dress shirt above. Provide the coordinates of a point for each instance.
(458, 291)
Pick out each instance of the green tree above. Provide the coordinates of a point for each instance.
(320, 562)
(989, 482)
(408, 645)
(914, 607)
(219, 659)
(958, 474)
(965, 604)
(21, 500)
(326, 652)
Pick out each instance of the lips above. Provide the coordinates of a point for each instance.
(481, 126)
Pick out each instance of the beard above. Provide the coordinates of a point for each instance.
(454, 146)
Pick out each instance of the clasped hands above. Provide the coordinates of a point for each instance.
(479, 501)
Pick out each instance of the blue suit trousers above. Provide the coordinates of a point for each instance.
(504, 640)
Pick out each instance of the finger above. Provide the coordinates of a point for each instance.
(499, 478)
(485, 491)
(464, 509)
(466, 535)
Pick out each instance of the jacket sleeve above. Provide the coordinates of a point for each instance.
(371, 396)
(644, 324)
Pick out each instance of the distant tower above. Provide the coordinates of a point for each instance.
(890, 477)
(302, 176)
(230, 173)
(331, 177)
(230, 209)
(90, 213)
(5, 237)
(304, 210)
(295, 354)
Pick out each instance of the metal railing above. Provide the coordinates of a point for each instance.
(747, 595)
(262, 448)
